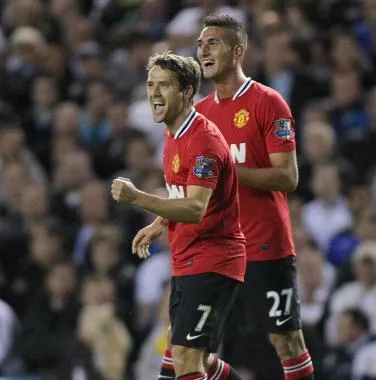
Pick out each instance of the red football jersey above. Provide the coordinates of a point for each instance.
(198, 155)
(256, 121)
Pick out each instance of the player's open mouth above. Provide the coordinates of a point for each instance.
(158, 107)
(208, 63)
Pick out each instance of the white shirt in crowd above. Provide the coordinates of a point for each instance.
(322, 221)
(351, 295)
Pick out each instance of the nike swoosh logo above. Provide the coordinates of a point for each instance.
(280, 323)
(192, 337)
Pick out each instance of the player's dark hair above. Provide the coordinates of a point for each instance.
(230, 24)
(186, 69)
(358, 318)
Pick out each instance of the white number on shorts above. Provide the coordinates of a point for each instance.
(206, 309)
(275, 311)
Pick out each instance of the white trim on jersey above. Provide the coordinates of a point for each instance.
(241, 91)
(186, 125)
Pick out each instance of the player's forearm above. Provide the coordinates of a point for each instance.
(177, 210)
(268, 179)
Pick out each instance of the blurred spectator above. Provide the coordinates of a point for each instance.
(49, 321)
(37, 122)
(10, 362)
(88, 66)
(348, 111)
(151, 19)
(360, 293)
(353, 333)
(151, 279)
(359, 150)
(65, 137)
(14, 178)
(328, 213)
(27, 44)
(347, 55)
(94, 212)
(107, 260)
(100, 349)
(13, 148)
(320, 146)
(72, 172)
(280, 70)
(46, 249)
(129, 74)
(344, 243)
(94, 128)
(364, 28)
(152, 350)
(109, 155)
(364, 364)
(26, 210)
(315, 281)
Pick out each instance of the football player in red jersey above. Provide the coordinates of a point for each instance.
(202, 214)
(259, 127)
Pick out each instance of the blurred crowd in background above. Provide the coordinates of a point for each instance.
(75, 303)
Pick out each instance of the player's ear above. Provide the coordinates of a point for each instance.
(188, 92)
(238, 51)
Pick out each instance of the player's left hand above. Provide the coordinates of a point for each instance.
(123, 190)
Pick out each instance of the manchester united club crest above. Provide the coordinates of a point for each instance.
(176, 163)
(241, 118)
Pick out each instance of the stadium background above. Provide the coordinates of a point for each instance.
(73, 115)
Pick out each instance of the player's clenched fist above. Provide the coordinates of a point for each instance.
(123, 190)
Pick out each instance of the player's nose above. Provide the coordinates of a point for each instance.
(204, 50)
(156, 91)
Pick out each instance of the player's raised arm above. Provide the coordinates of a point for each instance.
(188, 210)
(277, 124)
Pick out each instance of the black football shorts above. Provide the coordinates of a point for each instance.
(199, 309)
(269, 298)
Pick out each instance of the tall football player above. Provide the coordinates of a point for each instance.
(259, 127)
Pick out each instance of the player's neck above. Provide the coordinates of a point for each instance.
(227, 87)
(174, 126)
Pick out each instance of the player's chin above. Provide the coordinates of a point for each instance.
(208, 74)
(158, 118)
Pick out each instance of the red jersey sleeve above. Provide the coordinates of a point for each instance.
(205, 161)
(277, 123)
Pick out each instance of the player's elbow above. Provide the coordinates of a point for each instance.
(197, 211)
(291, 183)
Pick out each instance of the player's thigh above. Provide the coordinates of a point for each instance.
(275, 295)
(175, 299)
(200, 311)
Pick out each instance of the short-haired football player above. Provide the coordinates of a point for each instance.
(259, 127)
(202, 215)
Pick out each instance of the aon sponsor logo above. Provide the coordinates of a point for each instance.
(238, 152)
(175, 191)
